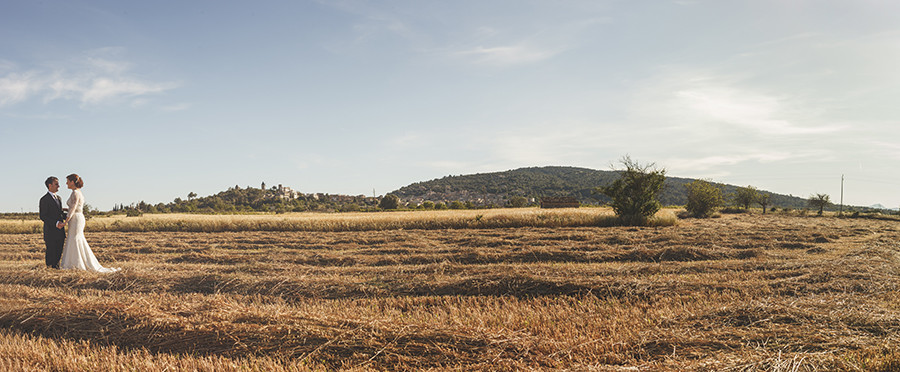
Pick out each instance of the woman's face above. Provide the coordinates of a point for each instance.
(70, 184)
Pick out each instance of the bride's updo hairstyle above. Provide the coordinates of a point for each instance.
(75, 178)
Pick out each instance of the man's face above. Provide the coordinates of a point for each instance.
(54, 187)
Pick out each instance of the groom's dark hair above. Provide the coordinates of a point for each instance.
(49, 181)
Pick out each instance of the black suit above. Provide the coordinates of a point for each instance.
(54, 238)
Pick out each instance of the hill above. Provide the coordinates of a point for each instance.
(536, 182)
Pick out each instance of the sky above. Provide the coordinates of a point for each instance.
(151, 100)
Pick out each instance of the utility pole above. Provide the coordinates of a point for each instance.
(842, 196)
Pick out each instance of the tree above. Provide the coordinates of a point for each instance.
(703, 198)
(635, 194)
(389, 201)
(745, 196)
(763, 200)
(518, 201)
(819, 201)
(191, 195)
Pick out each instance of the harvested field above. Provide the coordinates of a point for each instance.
(741, 292)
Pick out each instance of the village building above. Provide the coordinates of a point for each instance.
(285, 192)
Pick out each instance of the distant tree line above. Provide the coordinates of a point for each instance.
(511, 189)
(580, 183)
(249, 199)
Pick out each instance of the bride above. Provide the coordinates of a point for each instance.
(77, 253)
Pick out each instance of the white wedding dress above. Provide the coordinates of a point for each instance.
(77, 253)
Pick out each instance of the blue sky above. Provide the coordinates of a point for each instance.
(153, 100)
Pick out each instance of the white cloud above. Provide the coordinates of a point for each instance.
(728, 107)
(507, 55)
(105, 89)
(768, 115)
(717, 161)
(17, 87)
(90, 81)
(553, 143)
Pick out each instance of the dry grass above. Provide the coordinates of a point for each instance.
(427, 220)
(741, 292)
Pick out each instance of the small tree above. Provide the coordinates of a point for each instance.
(518, 202)
(745, 196)
(763, 200)
(191, 195)
(635, 194)
(389, 201)
(703, 198)
(819, 201)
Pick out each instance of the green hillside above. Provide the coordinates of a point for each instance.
(538, 182)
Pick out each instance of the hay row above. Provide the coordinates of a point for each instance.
(329, 342)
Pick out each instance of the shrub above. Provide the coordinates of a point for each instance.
(350, 207)
(703, 198)
(518, 202)
(389, 201)
(733, 210)
(819, 201)
(745, 196)
(428, 204)
(635, 195)
(763, 200)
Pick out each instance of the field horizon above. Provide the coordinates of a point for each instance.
(349, 221)
(742, 292)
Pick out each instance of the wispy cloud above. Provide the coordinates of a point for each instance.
(514, 45)
(17, 87)
(468, 34)
(102, 89)
(762, 113)
(564, 142)
(725, 107)
(507, 55)
(717, 161)
(90, 81)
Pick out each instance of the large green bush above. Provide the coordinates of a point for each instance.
(745, 196)
(389, 201)
(635, 195)
(703, 198)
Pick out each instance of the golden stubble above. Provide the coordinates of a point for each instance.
(741, 292)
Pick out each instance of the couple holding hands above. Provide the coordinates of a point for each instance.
(72, 251)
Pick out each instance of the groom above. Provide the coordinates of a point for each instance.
(53, 216)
